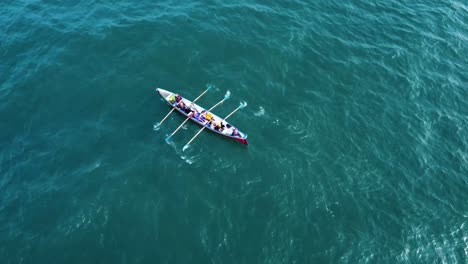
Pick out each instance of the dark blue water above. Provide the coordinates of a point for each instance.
(357, 119)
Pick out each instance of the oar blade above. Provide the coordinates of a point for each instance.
(168, 139)
(227, 95)
(185, 147)
(157, 126)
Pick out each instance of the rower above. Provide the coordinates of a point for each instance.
(228, 129)
(172, 98)
(186, 109)
(212, 123)
(209, 116)
(195, 114)
(235, 133)
(181, 104)
(219, 127)
(201, 118)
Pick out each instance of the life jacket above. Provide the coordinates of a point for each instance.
(172, 98)
(208, 116)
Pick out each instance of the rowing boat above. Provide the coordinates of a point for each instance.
(240, 136)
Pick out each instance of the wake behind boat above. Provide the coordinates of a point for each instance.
(202, 117)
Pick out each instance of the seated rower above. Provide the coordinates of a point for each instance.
(187, 110)
(235, 133)
(209, 116)
(184, 107)
(195, 114)
(178, 98)
(228, 130)
(172, 98)
(219, 127)
(181, 105)
(201, 118)
(192, 107)
(212, 123)
(216, 126)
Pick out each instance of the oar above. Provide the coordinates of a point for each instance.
(226, 96)
(242, 105)
(156, 126)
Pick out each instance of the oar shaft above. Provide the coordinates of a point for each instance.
(175, 131)
(196, 135)
(168, 114)
(200, 95)
(214, 106)
(232, 113)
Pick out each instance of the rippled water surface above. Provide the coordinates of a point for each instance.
(357, 120)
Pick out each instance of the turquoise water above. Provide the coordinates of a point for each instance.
(357, 119)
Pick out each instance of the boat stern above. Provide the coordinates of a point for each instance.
(242, 140)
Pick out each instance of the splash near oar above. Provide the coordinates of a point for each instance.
(226, 96)
(203, 117)
(234, 130)
(157, 125)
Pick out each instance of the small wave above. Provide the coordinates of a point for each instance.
(92, 166)
(260, 112)
(188, 159)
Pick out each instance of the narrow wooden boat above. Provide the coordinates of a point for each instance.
(226, 132)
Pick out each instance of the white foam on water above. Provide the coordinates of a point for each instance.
(260, 112)
(189, 160)
(92, 166)
(180, 152)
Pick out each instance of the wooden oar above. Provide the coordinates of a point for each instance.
(226, 96)
(242, 105)
(157, 125)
